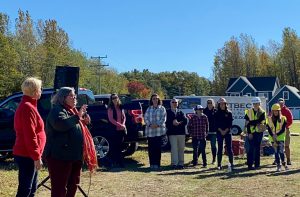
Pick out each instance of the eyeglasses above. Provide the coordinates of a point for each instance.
(209, 103)
(174, 102)
(113, 98)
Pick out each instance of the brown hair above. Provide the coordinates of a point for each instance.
(151, 102)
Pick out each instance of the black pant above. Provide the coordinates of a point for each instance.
(199, 148)
(253, 155)
(228, 142)
(154, 150)
(27, 177)
(116, 147)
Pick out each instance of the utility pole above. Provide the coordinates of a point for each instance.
(99, 69)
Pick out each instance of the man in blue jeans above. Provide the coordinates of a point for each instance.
(198, 128)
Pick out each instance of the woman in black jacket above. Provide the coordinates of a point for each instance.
(210, 112)
(175, 123)
(223, 124)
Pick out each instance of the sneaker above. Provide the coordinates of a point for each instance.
(289, 163)
(219, 167)
(278, 169)
(229, 169)
(251, 168)
(286, 167)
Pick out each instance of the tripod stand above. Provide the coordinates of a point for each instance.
(42, 183)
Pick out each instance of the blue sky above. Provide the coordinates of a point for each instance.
(161, 35)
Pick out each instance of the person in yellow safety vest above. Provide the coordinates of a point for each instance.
(255, 125)
(276, 127)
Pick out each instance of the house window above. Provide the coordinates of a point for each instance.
(234, 94)
(248, 94)
(286, 95)
(263, 94)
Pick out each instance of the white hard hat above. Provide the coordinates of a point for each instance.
(256, 100)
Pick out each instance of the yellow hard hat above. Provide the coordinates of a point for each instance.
(276, 107)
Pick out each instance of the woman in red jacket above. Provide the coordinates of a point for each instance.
(30, 137)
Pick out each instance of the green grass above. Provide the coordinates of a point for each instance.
(137, 180)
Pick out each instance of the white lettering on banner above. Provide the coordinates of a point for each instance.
(238, 109)
(239, 105)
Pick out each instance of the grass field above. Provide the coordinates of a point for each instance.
(137, 180)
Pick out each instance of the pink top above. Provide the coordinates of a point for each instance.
(120, 117)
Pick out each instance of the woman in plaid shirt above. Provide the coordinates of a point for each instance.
(155, 118)
(198, 129)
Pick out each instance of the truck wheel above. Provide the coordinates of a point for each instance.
(235, 130)
(101, 146)
(129, 148)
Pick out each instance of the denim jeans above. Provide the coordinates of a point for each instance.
(213, 145)
(279, 152)
(199, 148)
(228, 142)
(253, 156)
(27, 177)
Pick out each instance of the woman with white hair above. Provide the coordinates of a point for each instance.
(175, 124)
(30, 137)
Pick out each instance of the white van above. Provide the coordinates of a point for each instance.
(236, 104)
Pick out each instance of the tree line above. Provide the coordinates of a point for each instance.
(35, 48)
(241, 56)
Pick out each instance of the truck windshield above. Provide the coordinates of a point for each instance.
(189, 103)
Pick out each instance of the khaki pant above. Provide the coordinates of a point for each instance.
(177, 149)
(287, 138)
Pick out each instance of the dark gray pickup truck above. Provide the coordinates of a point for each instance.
(100, 128)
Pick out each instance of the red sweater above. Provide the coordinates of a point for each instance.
(289, 116)
(29, 127)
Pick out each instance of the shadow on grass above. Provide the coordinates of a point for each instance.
(240, 171)
(132, 165)
(287, 172)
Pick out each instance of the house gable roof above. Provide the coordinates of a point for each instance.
(262, 84)
(292, 89)
(232, 81)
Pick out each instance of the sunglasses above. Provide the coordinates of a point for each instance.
(174, 102)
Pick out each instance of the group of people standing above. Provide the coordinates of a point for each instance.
(277, 124)
(214, 124)
(66, 142)
(209, 123)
